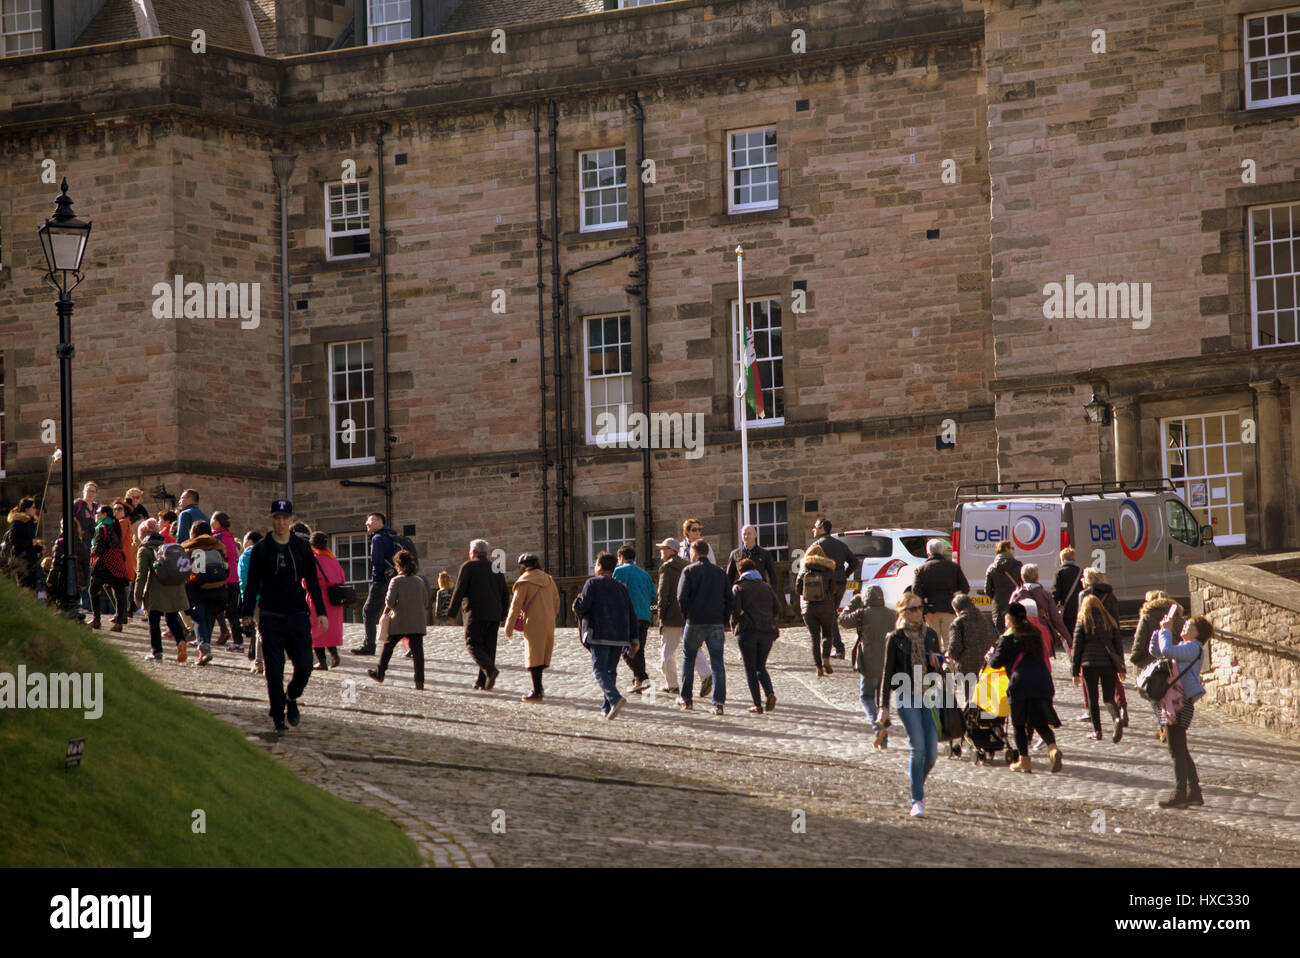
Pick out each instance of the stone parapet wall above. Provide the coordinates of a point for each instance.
(1254, 666)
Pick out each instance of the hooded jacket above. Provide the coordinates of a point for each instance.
(22, 529)
(149, 592)
(754, 607)
(1148, 622)
(874, 623)
(970, 637)
(1020, 652)
(1107, 596)
(821, 567)
(214, 554)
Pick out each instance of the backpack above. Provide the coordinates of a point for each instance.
(401, 543)
(814, 587)
(172, 564)
(209, 568)
(1156, 678)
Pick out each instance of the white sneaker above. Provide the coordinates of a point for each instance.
(918, 809)
(1037, 745)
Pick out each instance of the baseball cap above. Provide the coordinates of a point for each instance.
(670, 543)
(282, 507)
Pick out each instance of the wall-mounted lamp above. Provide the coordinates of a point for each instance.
(1097, 411)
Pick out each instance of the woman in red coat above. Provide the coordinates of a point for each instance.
(328, 572)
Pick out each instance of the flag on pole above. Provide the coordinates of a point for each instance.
(753, 381)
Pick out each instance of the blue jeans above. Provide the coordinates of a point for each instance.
(923, 739)
(867, 691)
(693, 636)
(204, 619)
(604, 664)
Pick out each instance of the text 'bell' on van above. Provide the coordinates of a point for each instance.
(1140, 534)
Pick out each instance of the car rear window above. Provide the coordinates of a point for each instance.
(871, 547)
(916, 545)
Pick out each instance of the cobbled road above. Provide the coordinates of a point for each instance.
(481, 779)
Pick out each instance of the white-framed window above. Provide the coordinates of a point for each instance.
(1202, 457)
(350, 549)
(602, 189)
(608, 375)
(388, 20)
(606, 533)
(347, 220)
(751, 169)
(1271, 56)
(20, 27)
(1275, 274)
(764, 319)
(768, 516)
(352, 402)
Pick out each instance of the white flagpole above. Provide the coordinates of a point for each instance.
(741, 391)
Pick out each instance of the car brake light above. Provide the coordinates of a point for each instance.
(1065, 538)
(956, 539)
(891, 568)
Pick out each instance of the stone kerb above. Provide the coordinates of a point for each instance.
(1254, 666)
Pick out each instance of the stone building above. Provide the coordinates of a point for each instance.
(507, 219)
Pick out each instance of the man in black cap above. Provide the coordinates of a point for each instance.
(280, 563)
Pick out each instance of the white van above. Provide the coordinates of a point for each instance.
(1139, 533)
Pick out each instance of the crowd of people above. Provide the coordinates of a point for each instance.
(282, 595)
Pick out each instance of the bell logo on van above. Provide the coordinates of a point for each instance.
(1028, 533)
(990, 535)
(1139, 546)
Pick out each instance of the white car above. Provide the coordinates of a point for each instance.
(889, 559)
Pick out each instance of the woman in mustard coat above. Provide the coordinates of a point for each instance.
(535, 602)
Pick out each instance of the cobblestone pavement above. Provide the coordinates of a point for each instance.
(482, 779)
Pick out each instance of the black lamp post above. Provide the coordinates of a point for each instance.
(64, 238)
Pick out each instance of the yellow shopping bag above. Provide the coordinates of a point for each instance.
(991, 693)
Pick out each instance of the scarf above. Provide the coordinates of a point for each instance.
(323, 552)
(916, 639)
(751, 574)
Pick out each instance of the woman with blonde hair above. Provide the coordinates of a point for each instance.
(1099, 656)
(911, 650)
(815, 586)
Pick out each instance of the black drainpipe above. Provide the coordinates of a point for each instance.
(561, 489)
(642, 288)
(541, 338)
(383, 315)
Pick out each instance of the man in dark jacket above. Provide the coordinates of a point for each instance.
(937, 580)
(671, 622)
(705, 600)
(751, 550)
(845, 565)
(1065, 590)
(488, 602)
(383, 548)
(753, 619)
(1001, 578)
(607, 624)
(279, 565)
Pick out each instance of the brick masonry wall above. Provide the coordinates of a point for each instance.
(1256, 685)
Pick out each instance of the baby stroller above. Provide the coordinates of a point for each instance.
(986, 718)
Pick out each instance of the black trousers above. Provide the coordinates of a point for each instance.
(1106, 676)
(100, 582)
(821, 623)
(637, 662)
(283, 635)
(417, 653)
(1176, 737)
(481, 641)
(373, 609)
(155, 629)
(1035, 714)
(230, 617)
(754, 649)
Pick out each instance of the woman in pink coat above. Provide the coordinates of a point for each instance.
(328, 572)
